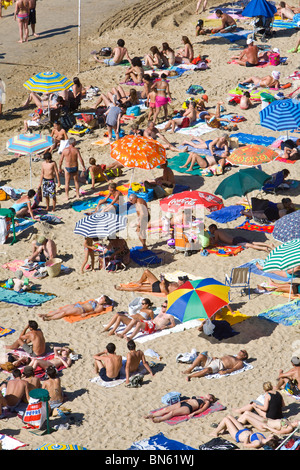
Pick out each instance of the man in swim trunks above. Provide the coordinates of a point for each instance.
(188, 117)
(118, 54)
(134, 359)
(32, 17)
(108, 364)
(213, 365)
(72, 157)
(16, 390)
(47, 182)
(228, 23)
(43, 249)
(32, 341)
(292, 375)
(220, 236)
(249, 56)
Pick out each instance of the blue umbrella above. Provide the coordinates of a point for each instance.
(100, 225)
(287, 228)
(283, 115)
(259, 8)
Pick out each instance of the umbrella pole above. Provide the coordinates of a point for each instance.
(30, 170)
(250, 205)
(291, 286)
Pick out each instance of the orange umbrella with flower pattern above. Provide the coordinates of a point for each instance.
(252, 155)
(138, 152)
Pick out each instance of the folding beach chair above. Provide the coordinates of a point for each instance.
(239, 278)
(263, 27)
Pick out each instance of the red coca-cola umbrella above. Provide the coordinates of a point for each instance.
(190, 199)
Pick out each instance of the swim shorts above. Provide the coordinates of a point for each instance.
(248, 64)
(71, 170)
(49, 188)
(28, 349)
(150, 327)
(103, 376)
(109, 62)
(214, 364)
(239, 240)
(32, 16)
(184, 123)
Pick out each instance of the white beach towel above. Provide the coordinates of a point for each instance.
(98, 381)
(219, 376)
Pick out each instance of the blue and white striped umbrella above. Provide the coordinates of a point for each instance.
(48, 82)
(100, 225)
(282, 115)
(287, 227)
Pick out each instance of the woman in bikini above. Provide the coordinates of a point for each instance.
(169, 54)
(22, 14)
(190, 407)
(163, 97)
(61, 358)
(185, 55)
(90, 307)
(155, 59)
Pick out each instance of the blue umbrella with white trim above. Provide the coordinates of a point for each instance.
(282, 115)
(100, 225)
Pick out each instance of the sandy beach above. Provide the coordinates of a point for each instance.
(113, 418)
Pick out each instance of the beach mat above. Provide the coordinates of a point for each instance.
(246, 367)
(244, 138)
(144, 258)
(26, 299)
(252, 227)
(77, 318)
(180, 419)
(16, 265)
(159, 442)
(6, 331)
(286, 314)
(233, 36)
(231, 318)
(226, 214)
(175, 162)
(225, 250)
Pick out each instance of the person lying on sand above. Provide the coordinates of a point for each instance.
(219, 143)
(288, 273)
(221, 236)
(78, 309)
(149, 283)
(133, 359)
(190, 407)
(284, 287)
(213, 365)
(108, 364)
(276, 426)
(153, 133)
(61, 358)
(243, 435)
(269, 81)
(188, 118)
(206, 161)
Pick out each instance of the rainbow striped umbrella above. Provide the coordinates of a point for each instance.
(197, 299)
(48, 82)
(29, 144)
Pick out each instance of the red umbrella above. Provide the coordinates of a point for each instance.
(190, 199)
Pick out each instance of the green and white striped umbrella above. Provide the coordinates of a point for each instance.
(284, 257)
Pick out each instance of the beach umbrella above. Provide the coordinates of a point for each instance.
(259, 8)
(197, 299)
(287, 227)
(29, 144)
(252, 155)
(281, 115)
(138, 152)
(100, 225)
(283, 258)
(242, 182)
(60, 446)
(48, 82)
(190, 199)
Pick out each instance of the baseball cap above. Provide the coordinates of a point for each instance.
(205, 97)
(249, 40)
(275, 74)
(276, 50)
(295, 360)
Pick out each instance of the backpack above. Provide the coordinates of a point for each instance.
(135, 381)
(171, 398)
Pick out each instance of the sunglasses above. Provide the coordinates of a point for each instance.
(164, 306)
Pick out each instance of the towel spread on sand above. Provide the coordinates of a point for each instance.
(225, 250)
(17, 264)
(176, 162)
(231, 318)
(159, 442)
(76, 318)
(179, 419)
(245, 368)
(6, 331)
(235, 35)
(226, 214)
(10, 443)
(244, 138)
(144, 258)
(26, 299)
(255, 227)
(285, 314)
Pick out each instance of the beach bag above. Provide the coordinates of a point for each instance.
(7, 366)
(274, 59)
(171, 398)
(135, 306)
(133, 110)
(105, 51)
(196, 60)
(115, 265)
(36, 413)
(135, 381)
(201, 66)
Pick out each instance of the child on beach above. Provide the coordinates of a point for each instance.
(151, 100)
(89, 254)
(34, 121)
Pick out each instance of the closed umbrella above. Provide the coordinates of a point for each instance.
(252, 155)
(281, 115)
(29, 144)
(283, 258)
(287, 227)
(190, 199)
(197, 299)
(100, 225)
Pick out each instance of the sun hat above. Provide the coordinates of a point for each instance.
(276, 50)
(205, 98)
(250, 40)
(41, 240)
(295, 360)
(275, 74)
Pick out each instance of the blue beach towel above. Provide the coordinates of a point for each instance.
(235, 35)
(144, 258)
(159, 442)
(226, 214)
(89, 203)
(26, 299)
(286, 314)
(23, 224)
(253, 139)
(253, 269)
(285, 24)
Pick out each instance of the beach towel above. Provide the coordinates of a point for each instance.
(87, 204)
(76, 318)
(23, 224)
(159, 442)
(190, 148)
(235, 35)
(144, 258)
(26, 299)
(175, 162)
(259, 272)
(197, 129)
(6, 331)
(286, 314)
(261, 63)
(17, 264)
(285, 160)
(231, 318)
(180, 419)
(285, 24)
(246, 367)
(255, 227)
(253, 139)
(225, 250)
(226, 214)
(10, 443)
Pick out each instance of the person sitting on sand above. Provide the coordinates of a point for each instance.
(276, 426)
(53, 385)
(31, 340)
(117, 249)
(118, 54)
(291, 149)
(185, 55)
(59, 136)
(108, 364)
(153, 133)
(228, 23)
(22, 206)
(79, 309)
(249, 56)
(190, 407)
(200, 31)
(291, 377)
(186, 120)
(162, 321)
(169, 54)
(220, 236)
(144, 313)
(167, 180)
(272, 406)
(133, 359)
(245, 101)
(29, 377)
(96, 173)
(285, 11)
(155, 59)
(135, 73)
(269, 81)
(213, 365)
(17, 283)
(15, 391)
(149, 283)
(112, 198)
(34, 121)
(61, 359)
(266, 210)
(43, 249)
(243, 435)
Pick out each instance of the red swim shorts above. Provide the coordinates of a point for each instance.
(150, 327)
